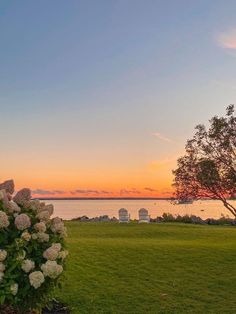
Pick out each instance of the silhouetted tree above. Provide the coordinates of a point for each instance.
(208, 169)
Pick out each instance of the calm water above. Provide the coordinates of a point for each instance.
(92, 208)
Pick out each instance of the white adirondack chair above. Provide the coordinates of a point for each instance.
(143, 215)
(124, 215)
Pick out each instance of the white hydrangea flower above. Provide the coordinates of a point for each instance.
(63, 254)
(36, 279)
(3, 255)
(22, 222)
(43, 216)
(42, 207)
(49, 208)
(50, 254)
(22, 197)
(40, 227)
(27, 205)
(1, 276)
(35, 205)
(2, 267)
(56, 220)
(27, 265)
(14, 288)
(8, 186)
(2, 195)
(57, 246)
(13, 207)
(51, 269)
(4, 198)
(42, 237)
(34, 236)
(4, 222)
(26, 235)
(9, 196)
(58, 226)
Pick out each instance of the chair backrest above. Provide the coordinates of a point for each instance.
(123, 215)
(143, 215)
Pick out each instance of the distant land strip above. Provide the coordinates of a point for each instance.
(100, 198)
(116, 198)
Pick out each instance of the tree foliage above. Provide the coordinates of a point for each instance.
(208, 169)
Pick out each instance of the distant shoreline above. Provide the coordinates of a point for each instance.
(113, 199)
(102, 198)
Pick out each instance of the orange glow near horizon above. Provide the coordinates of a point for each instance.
(77, 172)
(153, 180)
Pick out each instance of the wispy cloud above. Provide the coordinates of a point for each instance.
(59, 192)
(79, 191)
(227, 39)
(162, 137)
(150, 190)
(89, 191)
(47, 192)
(131, 191)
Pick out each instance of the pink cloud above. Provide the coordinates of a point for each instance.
(47, 192)
(228, 39)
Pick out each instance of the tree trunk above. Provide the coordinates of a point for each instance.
(231, 208)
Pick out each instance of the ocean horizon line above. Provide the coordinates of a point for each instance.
(100, 198)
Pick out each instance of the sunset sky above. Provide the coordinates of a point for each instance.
(98, 98)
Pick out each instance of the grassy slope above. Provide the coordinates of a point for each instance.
(156, 268)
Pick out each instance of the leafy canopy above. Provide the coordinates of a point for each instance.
(208, 169)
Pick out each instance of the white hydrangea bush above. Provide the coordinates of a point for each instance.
(32, 249)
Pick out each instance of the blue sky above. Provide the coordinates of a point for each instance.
(99, 86)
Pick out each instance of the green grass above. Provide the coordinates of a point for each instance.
(155, 268)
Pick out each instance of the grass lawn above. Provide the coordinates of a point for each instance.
(155, 268)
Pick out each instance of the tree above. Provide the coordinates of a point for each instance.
(208, 169)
